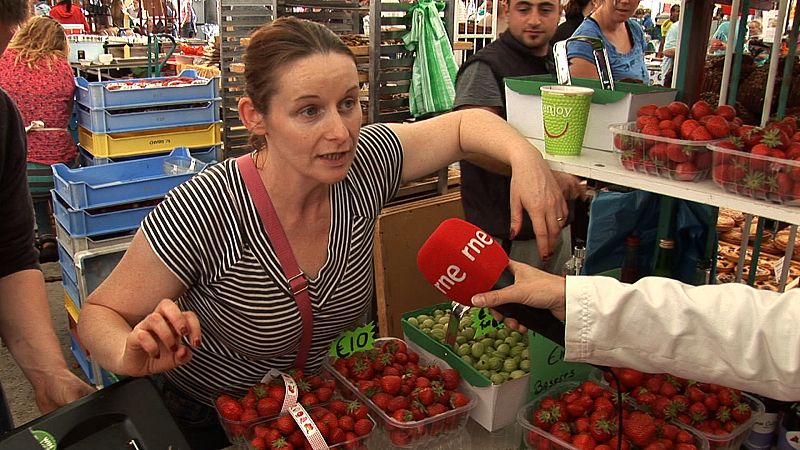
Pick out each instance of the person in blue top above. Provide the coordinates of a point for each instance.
(623, 38)
(719, 40)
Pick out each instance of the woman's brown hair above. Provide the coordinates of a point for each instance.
(276, 45)
(574, 8)
(40, 38)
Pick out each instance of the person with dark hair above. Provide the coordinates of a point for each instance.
(35, 73)
(26, 326)
(728, 334)
(259, 262)
(68, 13)
(574, 13)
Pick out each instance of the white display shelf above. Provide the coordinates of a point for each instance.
(604, 166)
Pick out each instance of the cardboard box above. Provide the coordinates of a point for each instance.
(497, 404)
(524, 106)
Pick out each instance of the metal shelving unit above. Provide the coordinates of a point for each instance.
(238, 19)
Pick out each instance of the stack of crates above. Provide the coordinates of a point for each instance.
(98, 210)
(121, 120)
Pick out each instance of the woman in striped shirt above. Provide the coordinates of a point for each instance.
(205, 247)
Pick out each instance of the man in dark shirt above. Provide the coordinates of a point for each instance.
(523, 49)
(25, 323)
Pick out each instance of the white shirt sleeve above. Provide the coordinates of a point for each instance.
(728, 334)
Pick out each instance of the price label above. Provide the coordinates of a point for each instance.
(354, 341)
(483, 321)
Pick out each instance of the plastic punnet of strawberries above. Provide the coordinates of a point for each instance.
(670, 141)
(406, 393)
(584, 417)
(762, 163)
(341, 424)
(719, 413)
(264, 401)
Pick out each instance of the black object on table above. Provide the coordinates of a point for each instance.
(126, 415)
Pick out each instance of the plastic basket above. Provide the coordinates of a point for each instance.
(74, 244)
(418, 434)
(122, 182)
(117, 121)
(67, 264)
(757, 177)
(71, 287)
(97, 95)
(353, 444)
(538, 439)
(111, 145)
(735, 439)
(83, 223)
(676, 159)
(206, 154)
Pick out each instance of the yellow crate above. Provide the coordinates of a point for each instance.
(72, 307)
(111, 145)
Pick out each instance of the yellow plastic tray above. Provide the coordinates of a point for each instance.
(72, 307)
(111, 145)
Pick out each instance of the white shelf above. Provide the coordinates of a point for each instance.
(604, 166)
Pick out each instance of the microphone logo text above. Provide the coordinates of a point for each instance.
(454, 274)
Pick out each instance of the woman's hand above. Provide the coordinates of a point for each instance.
(535, 190)
(531, 287)
(155, 343)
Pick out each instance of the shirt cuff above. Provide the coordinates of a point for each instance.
(578, 318)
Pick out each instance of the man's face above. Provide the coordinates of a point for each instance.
(533, 22)
(675, 14)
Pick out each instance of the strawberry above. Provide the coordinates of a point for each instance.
(542, 418)
(685, 446)
(400, 438)
(621, 142)
(381, 400)
(658, 153)
(403, 415)
(395, 346)
(687, 127)
(703, 159)
(249, 400)
(591, 388)
(249, 415)
(391, 384)
(258, 443)
(281, 444)
(357, 410)
(432, 372)
(664, 113)
(712, 401)
(458, 399)
(717, 126)
(422, 382)
(451, 378)
(584, 442)
(775, 138)
(561, 430)
(631, 378)
(396, 403)
(346, 423)
(362, 427)
(602, 429)
(741, 413)
(678, 121)
(647, 110)
(268, 407)
(700, 133)
(782, 184)
(728, 112)
(426, 396)
(285, 424)
(728, 397)
(324, 394)
(640, 428)
(651, 130)
(644, 121)
(669, 133)
(667, 125)
(678, 108)
(338, 407)
(685, 171)
(701, 109)
(678, 153)
(698, 412)
(277, 392)
(615, 443)
(436, 409)
(229, 408)
(308, 400)
(760, 150)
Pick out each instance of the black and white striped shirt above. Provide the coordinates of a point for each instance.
(208, 233)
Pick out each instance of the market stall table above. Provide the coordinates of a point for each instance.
(96, 68)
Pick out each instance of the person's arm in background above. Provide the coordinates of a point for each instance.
(25, 323)
(27, 330)
(729, 334)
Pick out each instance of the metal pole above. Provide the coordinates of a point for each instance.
(732, 34)
(788, 65)
(774, 59)
(733, 90)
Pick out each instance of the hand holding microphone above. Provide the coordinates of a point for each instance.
(460, 260)
(532, 287)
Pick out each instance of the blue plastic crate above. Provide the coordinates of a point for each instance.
(94, 266)
(122, 182)
(117, 121)
(71, 287)
(67, 264)
(206, 154)
(82, 223)
(81, 358)
(96, 95)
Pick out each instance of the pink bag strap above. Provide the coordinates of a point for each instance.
(298, 283)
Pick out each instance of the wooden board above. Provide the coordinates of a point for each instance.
(358, 50)
(237, 67)
(463, 45)
(399, 233)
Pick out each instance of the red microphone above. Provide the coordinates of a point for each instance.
(461, 260)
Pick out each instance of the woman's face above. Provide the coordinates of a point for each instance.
(620, 10)
(314, 117)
